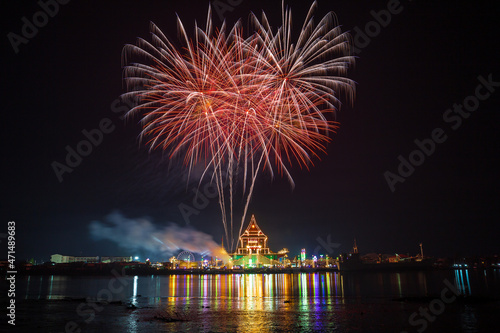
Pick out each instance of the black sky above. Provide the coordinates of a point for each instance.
(429, 57)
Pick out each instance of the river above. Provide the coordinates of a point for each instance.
(431, 301)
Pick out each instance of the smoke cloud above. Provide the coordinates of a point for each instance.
(141, 233)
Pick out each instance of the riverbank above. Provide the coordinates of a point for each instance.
(144, 270)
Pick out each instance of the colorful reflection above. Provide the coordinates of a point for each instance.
(462, 281)
(259, 286)
(301, 299)
(321, 301)
(304, 285)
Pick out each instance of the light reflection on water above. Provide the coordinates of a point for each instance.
(301, 285)
(262, 302)
(462, 281)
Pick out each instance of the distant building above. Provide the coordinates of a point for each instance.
(188, 264)
(115, 259)
(253, 250)
(62, 259)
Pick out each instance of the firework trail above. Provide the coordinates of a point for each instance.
(240, 104)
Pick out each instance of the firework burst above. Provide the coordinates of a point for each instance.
(238, 104)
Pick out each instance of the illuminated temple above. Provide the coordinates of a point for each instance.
(253, 250)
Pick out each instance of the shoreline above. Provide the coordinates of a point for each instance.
(114, 269)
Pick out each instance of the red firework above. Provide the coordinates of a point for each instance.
(241, 103)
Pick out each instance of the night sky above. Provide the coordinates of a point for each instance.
(68, 77)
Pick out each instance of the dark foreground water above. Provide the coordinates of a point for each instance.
(306, 302)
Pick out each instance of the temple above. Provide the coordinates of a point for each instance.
(253, 250)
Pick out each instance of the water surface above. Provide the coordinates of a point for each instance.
(303, 302)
